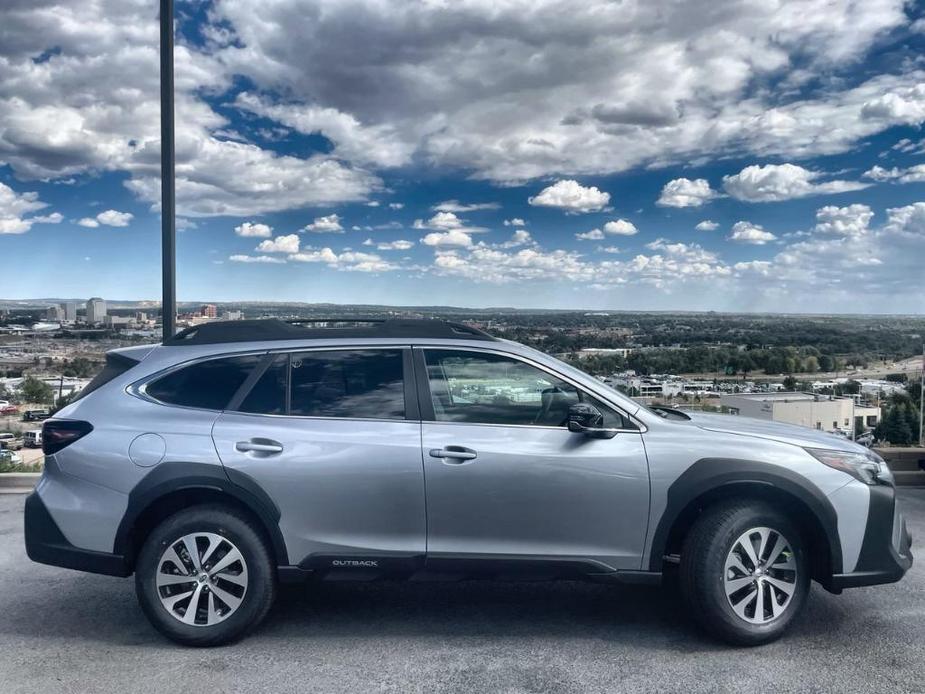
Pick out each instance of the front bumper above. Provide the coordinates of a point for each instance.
(886, 551)
(46, 544)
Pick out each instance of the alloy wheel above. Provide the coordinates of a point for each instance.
(201, 579)
(760, 575)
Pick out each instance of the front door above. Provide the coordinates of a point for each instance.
(333, 440)
(506, 479)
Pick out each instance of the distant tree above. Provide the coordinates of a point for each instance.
(790, 383)
(34, 390)
(64, 401)
(895, 427)
(811, 364)
(914, 388)
(81, 367)
(912, 419)
(776, 364)
(896, 378)
(826, 363)
(851, 387)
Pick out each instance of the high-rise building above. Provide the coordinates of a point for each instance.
(70, 311)
(54, 314)
(209, 311)
(96, 310)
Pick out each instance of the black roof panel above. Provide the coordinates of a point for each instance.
(258, 330)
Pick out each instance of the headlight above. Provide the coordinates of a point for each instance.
(868, 468)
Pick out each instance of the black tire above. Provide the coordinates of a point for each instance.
(261, 575)
(703, 561)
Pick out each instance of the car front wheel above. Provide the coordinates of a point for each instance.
(744, 572)
(204, 576)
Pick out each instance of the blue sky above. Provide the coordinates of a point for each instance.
(473, 154)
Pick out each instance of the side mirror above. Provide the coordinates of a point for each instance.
(587, 419)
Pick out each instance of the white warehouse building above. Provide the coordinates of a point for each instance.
(804, 409)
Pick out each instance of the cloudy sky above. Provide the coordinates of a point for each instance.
(738, 155)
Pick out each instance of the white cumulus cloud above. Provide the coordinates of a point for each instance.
(684, 192)
(593, 235)
(256, 259)
(327, 224)
(776, 182)
(746, 232)
(114, 218)
(571, 196)
(851, 220)
(16, 211)
(621, 227)
(281, 244)
(253, 229)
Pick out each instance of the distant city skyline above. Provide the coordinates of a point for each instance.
(729, 156)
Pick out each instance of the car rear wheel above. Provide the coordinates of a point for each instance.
(205, 577)
(744, 572)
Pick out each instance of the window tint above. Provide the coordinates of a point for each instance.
(492, 389)
(268, 396)
(360, 383)
(207, 384)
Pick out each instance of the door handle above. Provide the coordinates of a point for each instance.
(265, 446)
(453, 453)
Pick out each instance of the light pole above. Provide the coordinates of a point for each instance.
(922, 400)
(168, 192)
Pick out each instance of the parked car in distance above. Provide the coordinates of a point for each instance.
(9, 441)
(32, 439)
(10, 458)
(35, 415)
(240, 454)
(9, 409)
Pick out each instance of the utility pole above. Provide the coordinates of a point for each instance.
(168, 191)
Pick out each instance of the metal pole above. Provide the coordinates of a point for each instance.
(922, 401)
(168, 193)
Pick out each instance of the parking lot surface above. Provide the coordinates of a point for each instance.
(63, 631)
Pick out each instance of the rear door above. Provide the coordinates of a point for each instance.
(507, 480)
(333, 436)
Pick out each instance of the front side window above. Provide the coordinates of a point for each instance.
(484, 388)
(355, 384)
(208, 385)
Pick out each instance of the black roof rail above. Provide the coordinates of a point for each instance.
(264, 329)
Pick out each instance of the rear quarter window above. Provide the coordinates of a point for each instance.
(207, 385)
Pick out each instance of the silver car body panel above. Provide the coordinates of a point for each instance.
(342, 486)
(345, 486)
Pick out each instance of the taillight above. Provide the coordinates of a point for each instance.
(60, 433)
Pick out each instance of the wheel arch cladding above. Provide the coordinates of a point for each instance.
(171, 487)
(713, 479)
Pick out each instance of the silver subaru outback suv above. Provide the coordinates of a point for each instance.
(239, 455)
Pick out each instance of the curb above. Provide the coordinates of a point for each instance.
(18, 482)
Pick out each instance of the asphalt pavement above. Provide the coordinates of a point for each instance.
(63, 631)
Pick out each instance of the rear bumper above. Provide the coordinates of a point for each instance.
(46, 544)
(886, 552)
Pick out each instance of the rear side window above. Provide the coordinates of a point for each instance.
(268, 396)
(355, 384)
(207, 385)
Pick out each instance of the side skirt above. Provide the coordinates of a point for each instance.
(373, 567)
